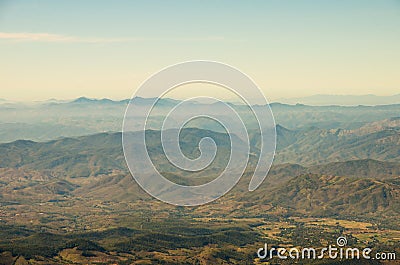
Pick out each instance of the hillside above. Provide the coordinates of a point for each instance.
(318, 195)
(73, 201)
(320, 146)
(102, 153)
(94, 167)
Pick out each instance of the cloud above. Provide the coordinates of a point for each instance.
(48, 37)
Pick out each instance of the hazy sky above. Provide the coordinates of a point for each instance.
(66, 49)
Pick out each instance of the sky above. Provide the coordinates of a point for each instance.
(95, 48)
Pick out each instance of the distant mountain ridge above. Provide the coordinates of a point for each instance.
(137, 100)
(343, 100)
(314, 100)
(54, 119)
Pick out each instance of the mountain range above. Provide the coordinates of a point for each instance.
(83, 116)
(307, 147)
(94, 167)
(67, 197)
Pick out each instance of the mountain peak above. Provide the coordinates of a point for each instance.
(83, 100)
